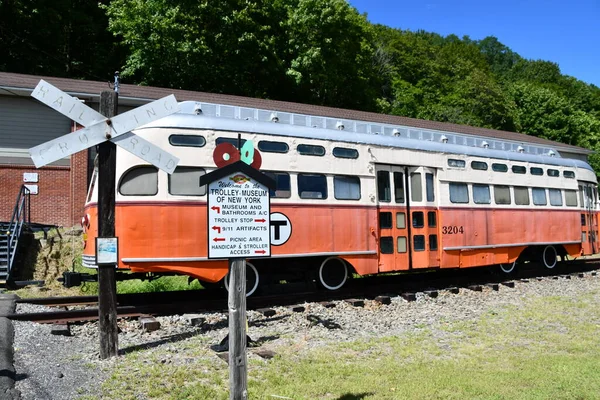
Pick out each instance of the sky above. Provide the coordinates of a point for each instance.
(566, 32)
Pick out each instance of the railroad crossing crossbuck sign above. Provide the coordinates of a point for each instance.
(98, 128)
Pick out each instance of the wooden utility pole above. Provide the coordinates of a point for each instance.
(238, 369)
(107, 287)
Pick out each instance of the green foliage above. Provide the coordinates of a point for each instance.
(310, 51)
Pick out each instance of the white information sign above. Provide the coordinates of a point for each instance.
(238, 218)
(99, 128)
(107, 251)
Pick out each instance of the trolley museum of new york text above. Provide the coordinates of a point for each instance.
(238, 218)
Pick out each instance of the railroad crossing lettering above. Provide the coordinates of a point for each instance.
(98, 128)
(238, 218)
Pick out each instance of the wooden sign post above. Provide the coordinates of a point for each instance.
(238, 228)
(104, 129)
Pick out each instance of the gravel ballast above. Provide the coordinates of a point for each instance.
(67, 367)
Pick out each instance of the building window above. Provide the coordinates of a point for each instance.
(187, 140)
(273, 147)
(310, 150)
(185, 181)
(342, 152)
(459, 193)
(480, 165)
(518, 169)
(521, 196)
(481, 194)
(283, 187)
(539, 196)
(555, 196)
(383, 186)
(536, 171)
(312, 186)
(502, 194)
(499, 167)
(346, 187)
(139, 181)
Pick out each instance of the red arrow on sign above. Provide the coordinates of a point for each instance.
(217, 209)
(219, 239)
(260, 220)
(260, 251)
(217, 228)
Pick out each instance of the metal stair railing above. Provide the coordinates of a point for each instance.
(21, 216)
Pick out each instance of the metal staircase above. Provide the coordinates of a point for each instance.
(10, 233)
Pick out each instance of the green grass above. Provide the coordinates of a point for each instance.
(547, 348)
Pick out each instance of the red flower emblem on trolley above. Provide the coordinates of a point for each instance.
(239, 179)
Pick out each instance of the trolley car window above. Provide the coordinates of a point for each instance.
(571, 198)
(187, 140)
(383, 186)
(553, 172)
(399, 187)
(401, 244)
(431, 219)
(185, 181)
(581, 195)
(343, 152)
(416, 187)
(418, 219)
(400, 220)
(481, 194)
(480, 165)
(310, 150)
(433, 242)
(139, 181)
(499, 167)
(521, 196)
(502, 194)
(518, 169)
(456, 163)
(539, 196)
(429, 187)
(283, 188)
(312, 186)
(346, 187)
(555, 196)
(273, 147)
(459, 193)
(385, 220)
(569, 174)
(536, 171)
(233, 141)
(419, 242)
(386, 245)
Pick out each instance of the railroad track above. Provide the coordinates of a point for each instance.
(378, 287)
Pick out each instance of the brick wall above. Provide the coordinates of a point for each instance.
(61, 191)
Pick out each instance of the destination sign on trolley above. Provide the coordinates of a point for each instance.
(238, 217)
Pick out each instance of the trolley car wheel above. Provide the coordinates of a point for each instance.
(252, 279)
(508, 268)
(549, 257)
(333, 273)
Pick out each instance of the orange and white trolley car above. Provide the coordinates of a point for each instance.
(352, 197)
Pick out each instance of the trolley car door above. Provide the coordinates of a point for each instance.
(423, 216)
(589, 226)
(393, 234)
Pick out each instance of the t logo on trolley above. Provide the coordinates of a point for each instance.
(98, 129)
